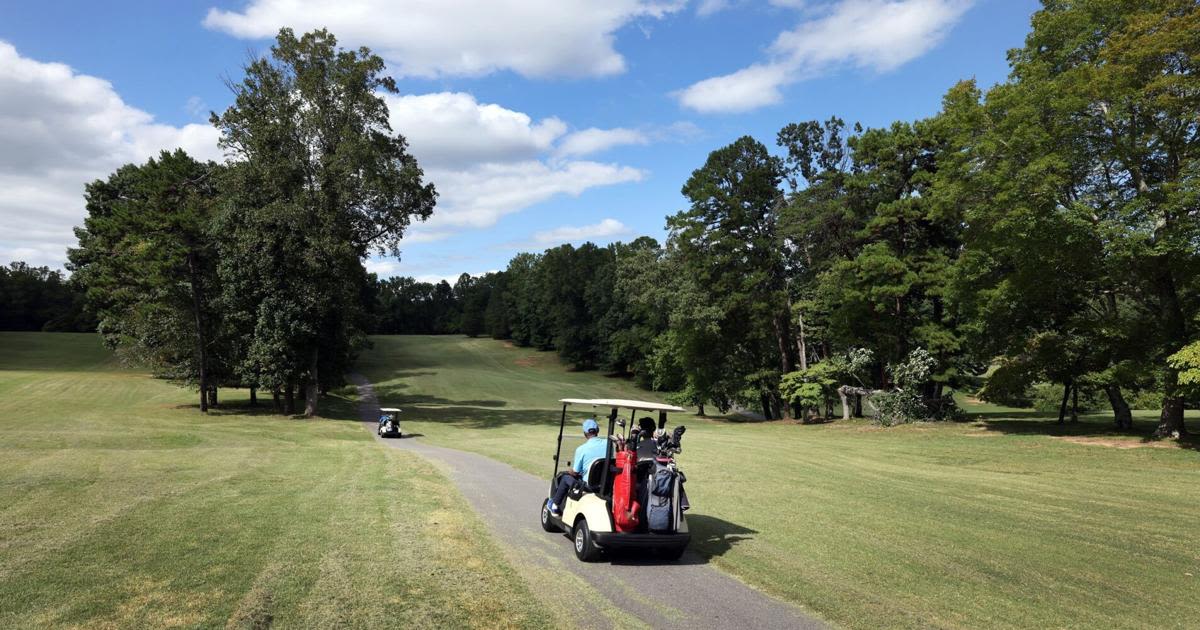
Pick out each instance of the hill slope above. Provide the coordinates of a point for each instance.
(993, 523)
(122, 506)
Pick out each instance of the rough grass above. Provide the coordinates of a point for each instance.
(998, 522)
(122, 506)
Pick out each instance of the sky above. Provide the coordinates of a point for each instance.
(539, 121)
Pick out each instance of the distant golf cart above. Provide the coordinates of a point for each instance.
(389, 422)
(624, 501)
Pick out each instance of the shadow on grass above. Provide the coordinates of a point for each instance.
(1098, 426)
(470, 414)
(711, 537)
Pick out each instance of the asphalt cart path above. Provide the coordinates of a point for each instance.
(683, 594)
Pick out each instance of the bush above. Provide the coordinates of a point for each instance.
(898, 407)
(946, 409)
(1144, 399)
(1048, 396)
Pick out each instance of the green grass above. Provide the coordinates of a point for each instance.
(999, 522)
(122, 506)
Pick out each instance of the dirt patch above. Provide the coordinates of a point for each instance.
(526, 361)
(1114, 442)
(508, 344)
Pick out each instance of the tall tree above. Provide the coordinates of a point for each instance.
(40, 298)
(1096, 132)
(316, 157)
(148, 260)
(728, 242)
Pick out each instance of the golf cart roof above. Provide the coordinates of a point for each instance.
(389, 409)
(624, 404)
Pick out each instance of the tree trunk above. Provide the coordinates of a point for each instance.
(787, 361)
(212, 396)
(765, 401)
(253, 396)
(290, 399)
(1062, 409)
(314, 387)
(845, 403)
(700, 410)
(1174, 326)
(275, 400)
(858, 406)
(801, 348)
(1170, 420)
(778, 408)
(201, 345)
(1075, 403)
(1121, 414)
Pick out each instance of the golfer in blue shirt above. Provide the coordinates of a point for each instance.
(594, 448)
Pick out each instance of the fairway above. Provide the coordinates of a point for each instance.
(122, 506)
(991, 523)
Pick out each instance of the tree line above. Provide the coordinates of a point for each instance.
(42, 299)
(1045, 230)
(250, 273)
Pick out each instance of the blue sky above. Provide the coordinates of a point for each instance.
(539, 121)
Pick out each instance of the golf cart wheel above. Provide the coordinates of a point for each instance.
(547, 524)
(585, 549)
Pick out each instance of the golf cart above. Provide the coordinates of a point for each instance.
(389, 422)
(624, 501)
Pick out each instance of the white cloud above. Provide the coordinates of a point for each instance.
(535, 38)
(574, 234)
(878, 35)
(382, 267)
(59, 130)
(451, 130)
(748, 88)
(479, 196)
(488, 161)
(706, 8)
(593, 140)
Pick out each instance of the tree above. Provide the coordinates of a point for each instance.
(38, 298)
(727, 242)
(1094, 137)
(148, 260)
(316, 158)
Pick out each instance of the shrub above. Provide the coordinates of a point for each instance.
(898, 407)
(1048, 396)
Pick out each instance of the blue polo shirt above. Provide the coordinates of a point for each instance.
(589, 452)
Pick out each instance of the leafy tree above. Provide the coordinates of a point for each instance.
(38, 298)
(727, 242)
(1094, 139)
(148, 260)
(320, 181)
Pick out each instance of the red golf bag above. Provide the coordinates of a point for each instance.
(625, 506)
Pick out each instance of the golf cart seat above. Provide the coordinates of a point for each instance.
(592, 480)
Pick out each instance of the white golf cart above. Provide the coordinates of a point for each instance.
(627, 500)
(389, 422)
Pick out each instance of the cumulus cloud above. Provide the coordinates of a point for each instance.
(878, 35)
(452, 129)
(535, 38)
(59, 130)
(607, 228)
(706, 8)
(479, 196)
(593, 140)
(488, 161)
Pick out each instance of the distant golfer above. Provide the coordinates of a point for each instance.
(591, 450)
